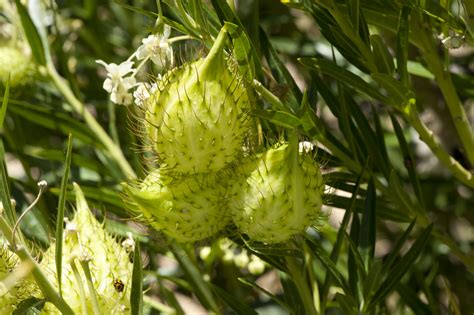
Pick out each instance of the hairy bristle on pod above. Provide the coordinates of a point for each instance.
(87, 242)
(197, 121)
(280, 195)
(187, 209)
(15, 66)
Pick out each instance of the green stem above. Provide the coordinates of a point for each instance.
(44, 284)
(454, 104)
(162, 308)
(90, 285)
(80, 287)
(427, 136)
(301, 284)
(114, 151)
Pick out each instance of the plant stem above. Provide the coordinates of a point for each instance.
(92, 292)
(300, 281)
(114, 151)
(46, 288)
(162, 308)
(427, 136)
(443, 78)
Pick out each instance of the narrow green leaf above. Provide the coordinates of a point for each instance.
(320, 254)
(344, 76)
(395, 253)
(401, 197)
(235, 304)
(380, 137)
(346, 304)
(101, 195)
(29, 306)
(371, 282)
(353, 10)
(195, 7)
(384, 211)
(3, 111)
(243, 51)
(382, 57)
(364, 31)
(136, 293)
(60, 215)
(269, 294)
(385, 16)
(279, 118)
(53, 119)
(435, 10)
(4, 190)
(416, 68)
(290, 294)
(340, 237)
(402, 45)
(178, 26)
(346, 124)
(357, 258)
(408, 160)
(78, 160)
(31, 33)
(410, 297)
(399, 94)
(200, 287)
(368, 139)
(225, 12)
(367, 227)
(400, 269)
(281, 73)
(352, 269)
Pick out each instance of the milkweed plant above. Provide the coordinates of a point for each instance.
(248, 157)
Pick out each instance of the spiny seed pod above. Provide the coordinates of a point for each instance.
(188, 209)
(280, 197)
(198, 119)
(86, 243)
(15, 64)
(22, 289)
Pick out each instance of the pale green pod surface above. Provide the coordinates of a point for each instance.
(23, 289)
(280, 196)
(86, 239)
(198, 119)
(187, 209)
(15, 64)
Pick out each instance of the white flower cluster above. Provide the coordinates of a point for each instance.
(121, 79)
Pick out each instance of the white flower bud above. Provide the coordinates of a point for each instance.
(242, 259)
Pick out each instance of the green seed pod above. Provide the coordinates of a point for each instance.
(87, 242)
(188, 209)
(198, 120)
(13, 62)
(21, 289)
(280, 197)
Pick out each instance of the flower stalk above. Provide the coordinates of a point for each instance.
(112, 148)
(454, 104)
